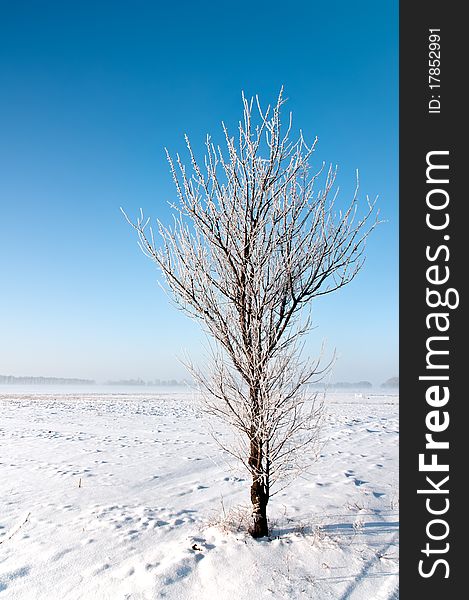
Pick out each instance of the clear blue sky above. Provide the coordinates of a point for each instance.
(91, 92)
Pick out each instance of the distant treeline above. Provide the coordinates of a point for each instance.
(393, 382)
(359, 385)
(141, 382)
(10, 379)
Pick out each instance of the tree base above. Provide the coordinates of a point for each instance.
(260, 527)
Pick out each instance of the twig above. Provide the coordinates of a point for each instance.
(14, 531)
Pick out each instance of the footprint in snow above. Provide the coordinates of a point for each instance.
(159, 524)
(359, 482)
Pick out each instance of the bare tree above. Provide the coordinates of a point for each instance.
(251, 245)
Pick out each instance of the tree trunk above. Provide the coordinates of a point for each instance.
(259, 487)
(259, 527)
(259, 495)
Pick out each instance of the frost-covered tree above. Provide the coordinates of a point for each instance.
(251, 245)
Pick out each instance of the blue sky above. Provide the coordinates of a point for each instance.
(91, 92)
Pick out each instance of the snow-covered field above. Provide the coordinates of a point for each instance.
(126, 496)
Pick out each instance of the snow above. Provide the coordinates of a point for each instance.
(126, 496)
